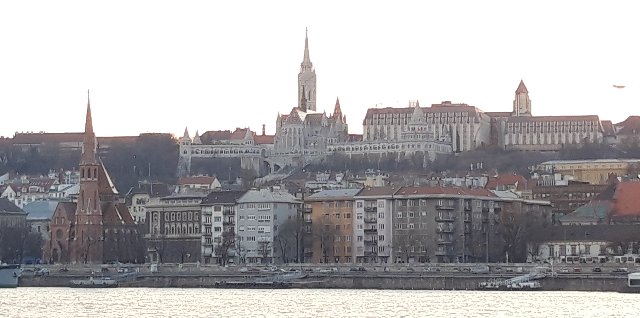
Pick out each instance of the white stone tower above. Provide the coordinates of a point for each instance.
(306, 81)
(522, 103)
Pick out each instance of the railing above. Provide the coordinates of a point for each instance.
(370, 209)
(444, 207)
(370, 253)
(370, 220)
(445, 218)
(370, 242)
(370, 230)
(467, 208)
(444, 230)
(445, 241)
(227, 223)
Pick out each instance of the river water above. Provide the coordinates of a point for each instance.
(174, 302)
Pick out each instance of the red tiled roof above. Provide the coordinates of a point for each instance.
(607, 127)
(445, 191)
(630, 126)
(315, 119)
(41, 138)
(263, 139)
(553, 118)
(196, 180)
(377, 191)
(625, 199)
(238, 134)
(216, 135)
(507, 179)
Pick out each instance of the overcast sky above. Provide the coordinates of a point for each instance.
(159, 66)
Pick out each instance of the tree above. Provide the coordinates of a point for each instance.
(323, 238)
(227, 241)
(406, 242)
(289, 240)
(16, 243)
(264, 248)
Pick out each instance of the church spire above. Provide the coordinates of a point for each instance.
(306, 60)
(336, 109)
(521, 88)
(89, 143)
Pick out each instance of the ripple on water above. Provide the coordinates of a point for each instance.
(175, 302)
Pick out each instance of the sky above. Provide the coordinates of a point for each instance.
(161, 66)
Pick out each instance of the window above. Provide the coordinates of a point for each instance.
(347, 215)
(359, 204)
(241, 228)
(360, 238)
(217, 229)
(217, 219)
(217, 208)
(410, 214)
(360, 227)
(411, 226)
(380, 237)
(251, 217)
(399, 215)
(381, 226)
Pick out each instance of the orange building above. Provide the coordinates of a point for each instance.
(332, 225)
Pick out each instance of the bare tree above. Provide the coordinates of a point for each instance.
(406, 242)
(289, 239)
(264, 247)
(227, 241)
(324, 235)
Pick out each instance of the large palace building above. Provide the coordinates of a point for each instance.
(304, 135)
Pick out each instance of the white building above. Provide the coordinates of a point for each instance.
(259, 215)
(372, 226)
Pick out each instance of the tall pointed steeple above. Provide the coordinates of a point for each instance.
(307, 79)
(186, 133)
(521, 88)
(89, 144)
(306, 61)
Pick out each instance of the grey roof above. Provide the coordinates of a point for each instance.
(8, 206)
(334, 194)
(40, 210)
(263, 195)
(222, 197)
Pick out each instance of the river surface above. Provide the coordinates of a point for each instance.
(175, 302)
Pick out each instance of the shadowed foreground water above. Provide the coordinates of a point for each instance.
(147, 302)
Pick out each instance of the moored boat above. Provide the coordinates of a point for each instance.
(9, 275)
(93, 282)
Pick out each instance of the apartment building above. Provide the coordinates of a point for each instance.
(332, 225)
(372, 227)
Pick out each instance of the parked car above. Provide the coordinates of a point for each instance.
(358, 269)
(41, 272)
(596, 270)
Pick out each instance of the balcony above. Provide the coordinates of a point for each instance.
(485, 210)
(445, 218)
(444, 230)
(370, 231)
(445, 207)
(443, 252)
(370, 220)
(370, 242)
(370, 209)
(225, 223)
(467, 208)
(467, 218)
(445, 241)
(370, 253)
(228, 213)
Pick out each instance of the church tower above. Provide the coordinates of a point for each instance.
(184, 159)
(88, 235)
(306, 81)
(522, 103)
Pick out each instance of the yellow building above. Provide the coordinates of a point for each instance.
(332, 225)
(593, 171)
